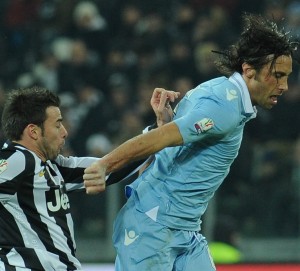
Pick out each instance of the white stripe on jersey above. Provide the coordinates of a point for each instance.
(14, 257)
(37, 227)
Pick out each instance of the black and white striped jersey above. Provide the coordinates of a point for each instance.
(36, 227)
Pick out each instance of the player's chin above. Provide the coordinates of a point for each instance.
(54, 154)
(60, 149)
(268, 105)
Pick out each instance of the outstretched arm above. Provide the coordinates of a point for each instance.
(160, 103)
(138, 147)
(134, 149)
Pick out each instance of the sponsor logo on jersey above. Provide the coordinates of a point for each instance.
(130, 237)
(3, 165)
(231, 94)
(203, 125)
(42, 173)
(57, 202)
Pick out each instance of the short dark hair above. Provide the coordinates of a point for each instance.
(26, 106)
(260, 43)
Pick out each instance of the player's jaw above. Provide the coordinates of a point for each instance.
(52, 150)
(274, 98)
(270, 101)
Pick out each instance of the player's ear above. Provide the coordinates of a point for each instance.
(32, 131)
(248, 70)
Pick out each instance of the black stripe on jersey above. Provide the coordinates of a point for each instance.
(74, 175)
(5, 261)
(61, 220)
(29, 254)
(10, 228)
(27, 202)
(25, 253)
(121, 174)
(9, 267)
(10, 235)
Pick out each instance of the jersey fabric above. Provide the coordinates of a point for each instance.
(36, 227)
(175, 189)
(143, 244)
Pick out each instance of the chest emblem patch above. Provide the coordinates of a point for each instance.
(231, 94)
(203, 125)
(42, 173)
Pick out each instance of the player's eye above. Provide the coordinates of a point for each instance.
(278, 75)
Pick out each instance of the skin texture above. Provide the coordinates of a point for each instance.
(48, 142)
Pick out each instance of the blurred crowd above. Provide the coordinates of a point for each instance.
(105, 57)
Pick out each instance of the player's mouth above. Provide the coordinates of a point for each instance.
(274, 99)
(61, 146)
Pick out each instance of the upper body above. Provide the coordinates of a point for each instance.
(181, 180)
(36, 227)
(195, 150)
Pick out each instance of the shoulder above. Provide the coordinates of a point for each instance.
(219, 90)
(16, 162)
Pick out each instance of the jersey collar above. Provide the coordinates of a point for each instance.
(238, 81)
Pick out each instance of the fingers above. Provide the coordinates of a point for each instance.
(94, 179)
(94, 189)
(94, 186)
(161, 93)
(160, 102)
(164, 100)
(172, 95)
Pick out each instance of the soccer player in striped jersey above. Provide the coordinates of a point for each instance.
(36, 227)
(159, 226)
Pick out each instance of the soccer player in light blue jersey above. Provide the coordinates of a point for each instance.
(158, 229)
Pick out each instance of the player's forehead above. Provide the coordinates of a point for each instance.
(282, 64)
(53, 113)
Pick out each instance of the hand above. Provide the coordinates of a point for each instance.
(160, 102)
(94, 178)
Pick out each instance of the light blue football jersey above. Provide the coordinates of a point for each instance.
(176, 188)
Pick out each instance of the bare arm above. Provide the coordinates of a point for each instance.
(142, 146)
(139, 147)
(136, 148)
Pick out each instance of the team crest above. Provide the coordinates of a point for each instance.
(3, 165)
(203, 125)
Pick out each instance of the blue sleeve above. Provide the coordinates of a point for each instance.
(207, 118)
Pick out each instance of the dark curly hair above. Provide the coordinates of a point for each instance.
(26, 106)
(261, 42)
